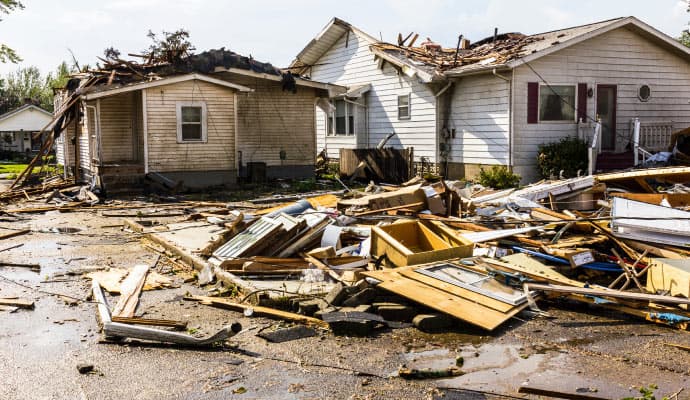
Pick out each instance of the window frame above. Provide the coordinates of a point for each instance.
(573, 105)
(204, 121)
(639, 94)
(350, 120)
(408, 107)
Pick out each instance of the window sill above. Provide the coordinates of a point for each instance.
(191, 141)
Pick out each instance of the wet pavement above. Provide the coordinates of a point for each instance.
(580, 349)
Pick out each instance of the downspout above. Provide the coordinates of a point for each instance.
(443, 131)
(510, 114)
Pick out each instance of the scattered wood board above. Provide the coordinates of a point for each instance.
(16, 302)
(531, 268)
(130, 289)
(111, 279)
(440, 300)
(258, 310)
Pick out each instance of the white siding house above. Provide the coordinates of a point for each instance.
(342, 55)
(498, 99)
(17, 128)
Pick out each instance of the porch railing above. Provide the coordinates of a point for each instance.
(590, 132)
(650, 137)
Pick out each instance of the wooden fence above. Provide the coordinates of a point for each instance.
(387, 165)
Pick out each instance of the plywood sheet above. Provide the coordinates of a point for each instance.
(456, 306)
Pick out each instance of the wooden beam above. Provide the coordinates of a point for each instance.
(609, 293)
(258, 310)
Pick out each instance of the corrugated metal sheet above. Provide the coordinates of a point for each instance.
(245, 241)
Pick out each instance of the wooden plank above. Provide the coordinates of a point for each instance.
(179, 325)
(258, 310)
(654, 250)
(531, 268)
(610, 293)
(409, 272)
(13, 234)
(16, 302)
(120, 330)
(458, 307)
(130, 289)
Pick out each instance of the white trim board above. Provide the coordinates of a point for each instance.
(166, 81)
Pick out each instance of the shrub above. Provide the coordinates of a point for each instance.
(569, 155)
(498, 177)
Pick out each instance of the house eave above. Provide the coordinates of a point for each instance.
(162, 82)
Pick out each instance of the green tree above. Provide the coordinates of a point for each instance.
(684, 38)
(29, 85)
(6, 53)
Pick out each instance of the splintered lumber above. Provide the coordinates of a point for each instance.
(33, 267)
(120, 330)
(111, 279)
(178, 325)
(13, 234)
(654, 250)
(258, 310)
(609, 293)
(16, 302)
(456, 306)
(531, 268)
(130, 289)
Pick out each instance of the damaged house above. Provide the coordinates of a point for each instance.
(493, 102)
(206, 120)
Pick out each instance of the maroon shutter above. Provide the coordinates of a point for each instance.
(532, 102)
(581, 102)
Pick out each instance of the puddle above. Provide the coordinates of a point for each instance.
(497, 367)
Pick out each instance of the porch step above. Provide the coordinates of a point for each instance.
(615, 161)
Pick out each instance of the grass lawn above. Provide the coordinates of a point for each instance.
(16, 169)
(12, 168)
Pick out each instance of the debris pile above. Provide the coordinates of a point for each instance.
(431, 255)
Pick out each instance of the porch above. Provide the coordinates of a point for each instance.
(644, 139)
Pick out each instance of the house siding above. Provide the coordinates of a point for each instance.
(271, 120)
(117, 130)
(349, 62)
(619, 57)
(165, 154)
(480, 115)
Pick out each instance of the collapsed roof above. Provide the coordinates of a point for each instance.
(431, 61)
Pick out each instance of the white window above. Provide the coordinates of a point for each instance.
(342, 120)
(191, 122)
(404, 110)
(557, 103)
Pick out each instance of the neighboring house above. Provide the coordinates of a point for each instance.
(234, 118)
(19, 128)
(495, 101)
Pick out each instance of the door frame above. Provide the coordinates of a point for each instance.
(612, 144)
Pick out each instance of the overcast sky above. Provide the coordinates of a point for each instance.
(275, 31)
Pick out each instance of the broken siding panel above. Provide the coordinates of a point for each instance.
(620, 57)
(351, 63)
(480, 115)
(271, 119)
(116, 128)
(165, 154)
